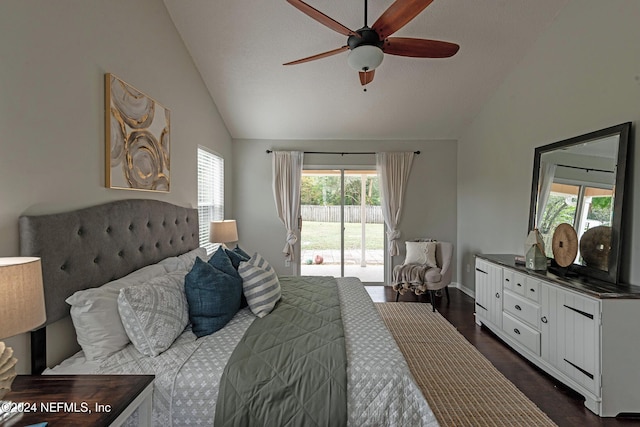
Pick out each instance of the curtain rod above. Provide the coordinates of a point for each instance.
(341, 153)
(586, 169)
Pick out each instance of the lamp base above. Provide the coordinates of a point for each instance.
(7, 369)
(7, 374)
(8, 410)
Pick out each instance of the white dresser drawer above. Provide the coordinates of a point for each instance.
(525, 335)
(532, 290)
(517, 282)
(522, 308)
(507, 279)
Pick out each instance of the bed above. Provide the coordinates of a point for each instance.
(89, 250)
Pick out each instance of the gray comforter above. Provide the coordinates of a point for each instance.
(289, 369)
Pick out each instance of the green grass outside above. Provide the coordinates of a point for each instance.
(326, 235)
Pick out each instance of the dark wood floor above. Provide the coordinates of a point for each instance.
(561, 404)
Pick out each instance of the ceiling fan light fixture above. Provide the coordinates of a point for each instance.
(365, 58)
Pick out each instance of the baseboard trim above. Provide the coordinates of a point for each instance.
(464, 289)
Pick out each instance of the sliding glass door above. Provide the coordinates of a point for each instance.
(342, 226)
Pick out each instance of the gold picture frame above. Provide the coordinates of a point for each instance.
(137, 139)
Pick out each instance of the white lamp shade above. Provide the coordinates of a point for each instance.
(223, 231)
(21, 296)
(365, 58)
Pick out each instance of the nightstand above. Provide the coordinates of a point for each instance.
(80, 400)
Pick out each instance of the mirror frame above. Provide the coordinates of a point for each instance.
(622, 130)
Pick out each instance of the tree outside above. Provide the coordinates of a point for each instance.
(325, 190)
(559, 211)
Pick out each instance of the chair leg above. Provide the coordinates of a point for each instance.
(446, 290)
(397, 295)
(432, 294)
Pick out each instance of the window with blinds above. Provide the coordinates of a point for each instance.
(210, 193)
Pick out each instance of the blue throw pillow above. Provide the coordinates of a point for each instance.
(241, 252)
(236, 258)
(213, 297)
(221, 261)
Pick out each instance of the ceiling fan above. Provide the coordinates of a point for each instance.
(368, 45)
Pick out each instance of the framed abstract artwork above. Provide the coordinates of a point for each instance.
(137, 139)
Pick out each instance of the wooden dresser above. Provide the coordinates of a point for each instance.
(584, 333)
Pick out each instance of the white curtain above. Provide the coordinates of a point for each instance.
(287, 177)
(545, 179)
(393, 172)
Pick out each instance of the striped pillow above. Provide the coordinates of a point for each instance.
(260, 285)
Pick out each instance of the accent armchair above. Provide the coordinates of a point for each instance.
(426, 268)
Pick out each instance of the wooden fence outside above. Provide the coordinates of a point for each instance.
(332, 214)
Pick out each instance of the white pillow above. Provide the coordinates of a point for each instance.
(172, 264)
(184, 261)
(154, 314)
(95, 316)
(421, 253)
(260, 285)
(189, 258)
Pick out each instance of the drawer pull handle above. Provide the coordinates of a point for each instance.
(544, 319)
(497, 295)
(532, 290)
(506, 280)
(587, 373)
(585, 314)
(518, 307)
(516, 331)
(519, 284)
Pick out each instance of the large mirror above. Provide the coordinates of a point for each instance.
(580, 181)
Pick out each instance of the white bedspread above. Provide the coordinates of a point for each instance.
(381, 390)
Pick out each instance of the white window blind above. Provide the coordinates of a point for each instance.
(210, 193)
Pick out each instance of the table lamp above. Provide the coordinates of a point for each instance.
(224, 231)
(21, 308)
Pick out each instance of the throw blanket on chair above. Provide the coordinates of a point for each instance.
(289, 369)
(414, 278)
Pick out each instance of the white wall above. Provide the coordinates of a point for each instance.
(430, 206)
(53, 57)
(583, 74)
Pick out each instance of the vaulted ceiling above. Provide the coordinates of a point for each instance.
(239, 47)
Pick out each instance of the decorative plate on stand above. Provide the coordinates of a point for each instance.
(564, 245)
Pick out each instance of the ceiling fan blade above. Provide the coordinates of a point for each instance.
(322, 18)
(366, 77)
(318, 56)
(419, 48)
(398, 15)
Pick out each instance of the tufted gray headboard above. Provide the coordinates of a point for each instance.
(89, 247)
